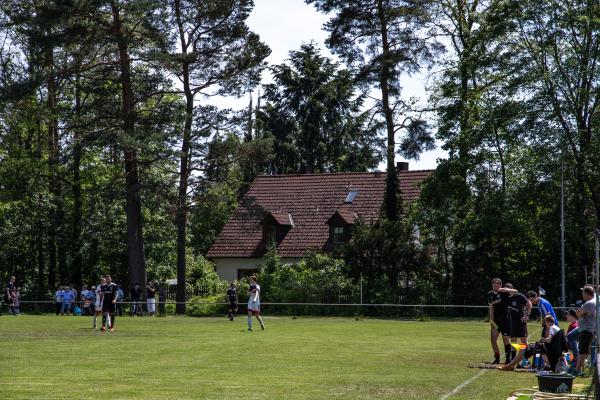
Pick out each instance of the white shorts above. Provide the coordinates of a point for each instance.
(151, 305)
(98, 307)
(254, 306)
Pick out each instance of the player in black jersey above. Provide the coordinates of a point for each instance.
(109, 303)
(232, 299)
(498, 322)
(519, 308)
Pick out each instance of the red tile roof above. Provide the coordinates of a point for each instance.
(311, 200)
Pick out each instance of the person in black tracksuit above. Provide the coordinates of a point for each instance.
(519, 308)
(498, 322)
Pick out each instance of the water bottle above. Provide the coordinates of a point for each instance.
(537, 364)
(568, 357)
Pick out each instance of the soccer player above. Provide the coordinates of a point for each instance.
(98, 303)
(519, 309)
(232, 299)
(109, 303)
(498, 322)
(254, 303)
(544, 307)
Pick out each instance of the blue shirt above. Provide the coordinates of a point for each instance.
(67, 296)
(545, 308)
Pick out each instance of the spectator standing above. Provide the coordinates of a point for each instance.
(136, 295)
(7, 295)
(88, 301)
(587, 327)
(150, 298)
(58, 298)
(67, 300)
(82, 296)
(74, 300)
(545, 309)
(14, 306)
(162, 300)
(120, 298)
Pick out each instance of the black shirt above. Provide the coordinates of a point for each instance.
(495, 300)
(162, 294)
(232, 294)
(7, 292)
(517, 306)
(136, 294)
(110, 292)
(150, 293)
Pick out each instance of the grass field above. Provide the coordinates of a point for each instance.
(49, 357)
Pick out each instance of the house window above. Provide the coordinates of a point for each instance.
(246, 272)
(337, 234)
(270, 233)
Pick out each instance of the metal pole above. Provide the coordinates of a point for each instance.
(361, 289)
(563, 293)
(597, 266)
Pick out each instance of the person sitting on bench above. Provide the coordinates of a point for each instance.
(554, 343)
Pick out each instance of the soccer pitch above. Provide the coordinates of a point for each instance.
(49, 357)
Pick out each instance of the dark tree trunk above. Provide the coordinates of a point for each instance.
(136, 265)
(391, 187)
(76, 267)
(182, 201)
(53, 181)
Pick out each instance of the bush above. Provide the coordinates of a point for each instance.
(317, 278)
(205, 306)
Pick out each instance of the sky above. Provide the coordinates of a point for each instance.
(284, 25)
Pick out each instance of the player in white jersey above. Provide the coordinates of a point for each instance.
(98, 303)
(254, 303)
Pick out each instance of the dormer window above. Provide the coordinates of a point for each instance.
(338, 234)
(275, 226)
(340, 224)
(270, 233)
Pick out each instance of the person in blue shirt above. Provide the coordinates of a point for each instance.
(544, 307)
(67, 300)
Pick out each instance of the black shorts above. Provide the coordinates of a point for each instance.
(109, 307)
(584, 342)
(233, 306)
(518, 328)
(503, 326)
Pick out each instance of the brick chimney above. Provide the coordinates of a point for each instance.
(402, 166)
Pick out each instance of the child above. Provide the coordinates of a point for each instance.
(573, 333)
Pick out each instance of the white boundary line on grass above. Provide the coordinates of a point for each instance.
(462, 385)
(468, 381)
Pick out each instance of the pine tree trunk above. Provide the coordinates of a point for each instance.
(76, 267)
(182, 200)
(135, 242)
(391, 186)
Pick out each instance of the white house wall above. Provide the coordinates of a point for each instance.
(227, 268)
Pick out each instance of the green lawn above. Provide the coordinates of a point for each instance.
(49, 357)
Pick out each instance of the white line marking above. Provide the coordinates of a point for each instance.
(468, 381)
(462, 385)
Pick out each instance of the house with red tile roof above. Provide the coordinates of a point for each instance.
(302, 213)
